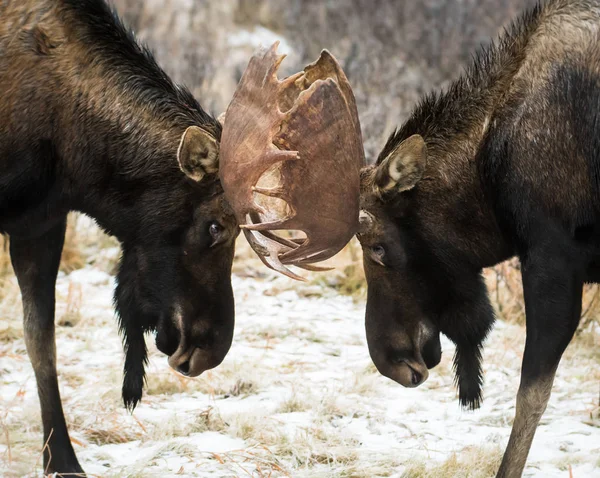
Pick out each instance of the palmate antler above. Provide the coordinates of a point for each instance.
(304, 129)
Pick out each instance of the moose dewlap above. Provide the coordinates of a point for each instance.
(291, 153)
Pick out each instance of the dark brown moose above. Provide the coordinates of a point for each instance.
(89, 122)
(503, 163)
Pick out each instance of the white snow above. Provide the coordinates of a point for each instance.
(316, 406)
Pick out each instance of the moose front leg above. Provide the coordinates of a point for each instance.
(552, 290)
(36, 262)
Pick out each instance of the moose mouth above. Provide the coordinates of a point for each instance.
(188, 355)
(191, 362)
(412, 369)
(409, 373)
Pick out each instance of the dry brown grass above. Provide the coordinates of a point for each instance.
(106, 430)
(506, 292)
(20, 437)
(294, 403)
(72, 315)
(243, 388)
(5, 266)
(347, 277)
(105, 427)
(81, 245)
(10, 303)
(251, 427)
(204, 421)
(590, 311)
(229, 379)
(314, 446)
(166, 383)
(10, 330)
(365, 382)
(72, 255)
(472, 462)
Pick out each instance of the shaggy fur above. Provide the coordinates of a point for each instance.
(89, 122)
(512, 168)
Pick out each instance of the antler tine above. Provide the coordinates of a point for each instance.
(286, 82)
(276, 265)
(270, 255)
(287, 222)
(294, 244)
(290, 243)
(310, 267)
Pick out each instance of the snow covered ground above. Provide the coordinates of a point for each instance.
(296, 396)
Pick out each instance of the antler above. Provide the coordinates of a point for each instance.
(302, 134)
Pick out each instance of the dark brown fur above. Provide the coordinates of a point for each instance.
(89, 122)
(511, 168)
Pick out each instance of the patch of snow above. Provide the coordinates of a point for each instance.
(314, 392)
(90, 276)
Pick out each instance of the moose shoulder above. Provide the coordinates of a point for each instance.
(90, 123)
(504, 163)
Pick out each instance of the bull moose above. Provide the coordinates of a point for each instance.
(89, 122)
(503, 163)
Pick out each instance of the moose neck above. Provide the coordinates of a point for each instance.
(454, 125)
(122, 173)
(120, 156)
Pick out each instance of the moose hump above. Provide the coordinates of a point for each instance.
(291, 153)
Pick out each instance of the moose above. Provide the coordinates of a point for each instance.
(505, 162)
(91, 123)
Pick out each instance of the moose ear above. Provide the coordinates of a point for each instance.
(198, 153)
(402, 169)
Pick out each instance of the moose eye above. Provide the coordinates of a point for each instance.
(216, 231)
(378, 253)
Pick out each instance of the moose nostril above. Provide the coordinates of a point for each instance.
(184, 368)
(416, 377)
(399, 356)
